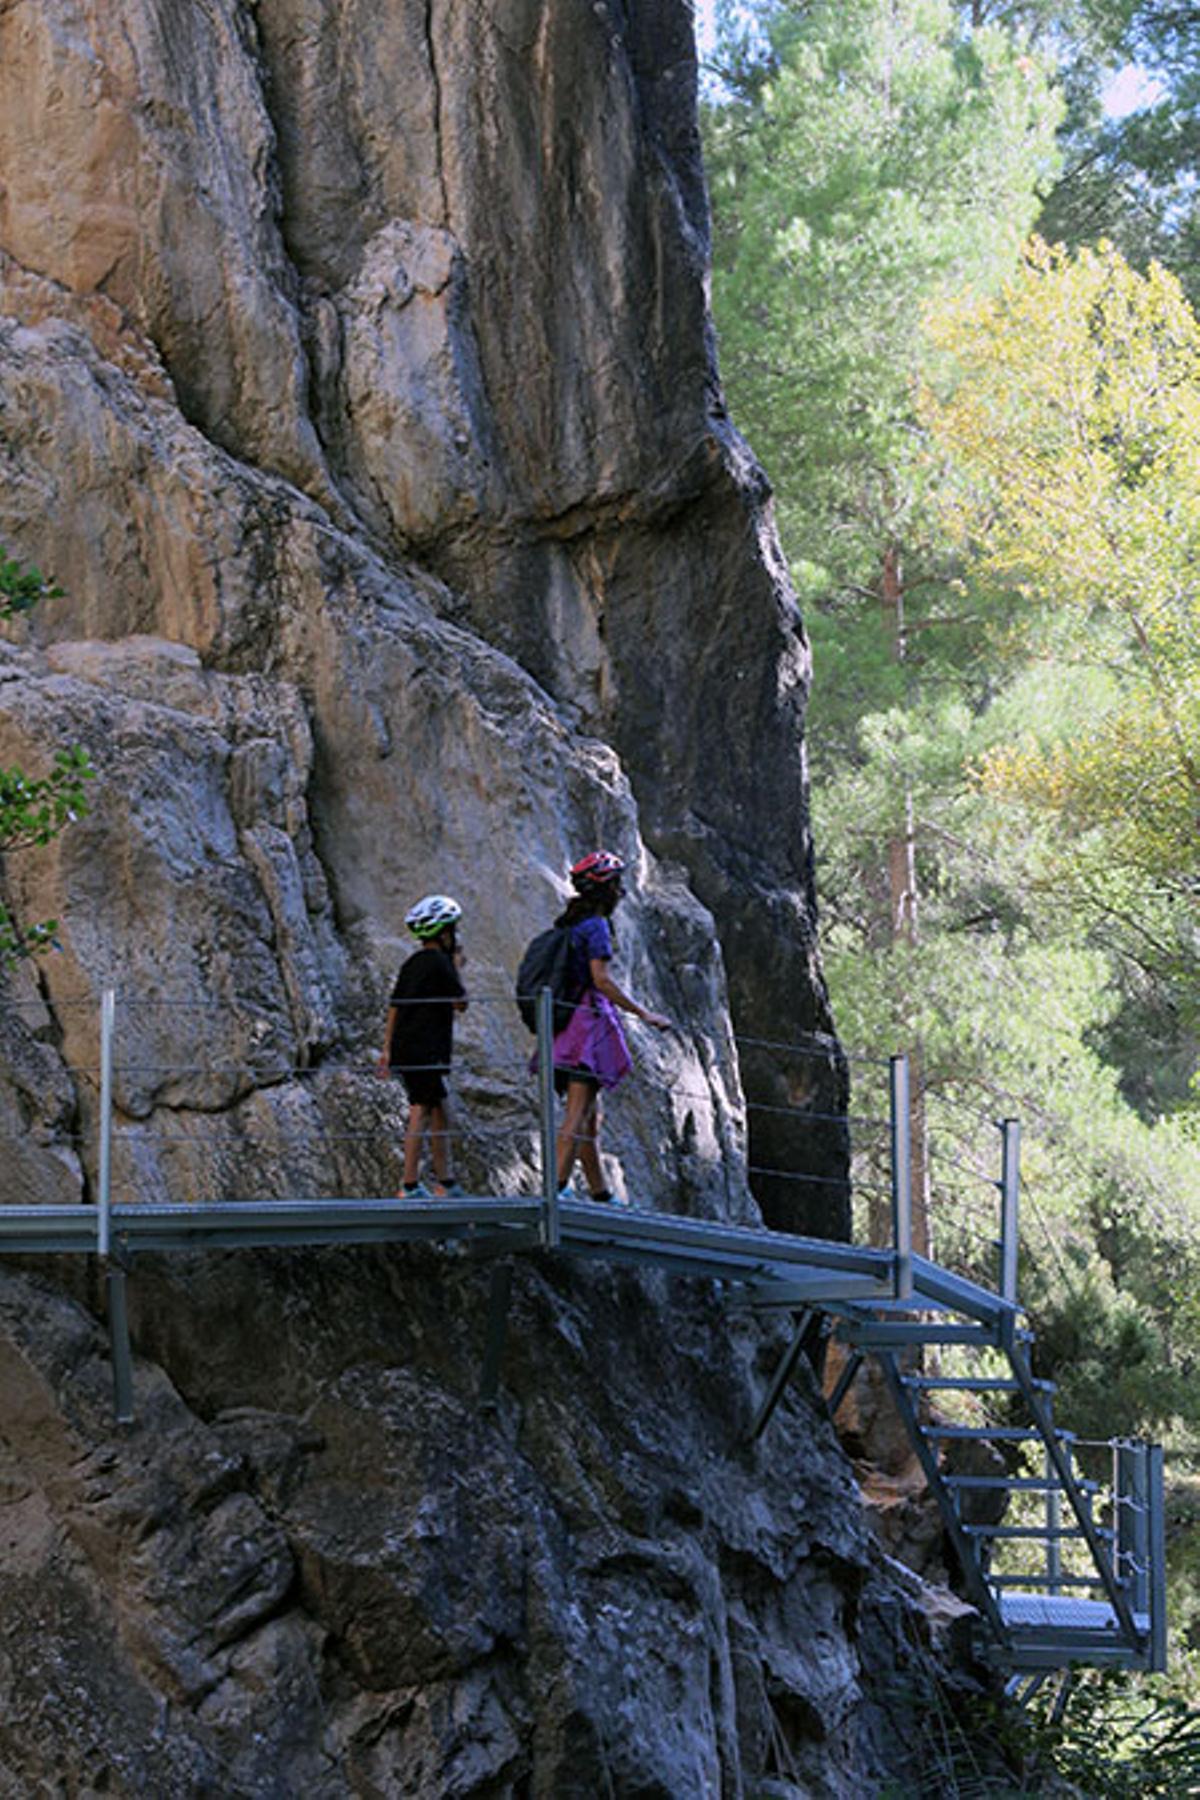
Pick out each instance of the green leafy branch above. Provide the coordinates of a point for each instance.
(22, 587)
(34, 809)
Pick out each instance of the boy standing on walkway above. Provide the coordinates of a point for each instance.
(418, 1040)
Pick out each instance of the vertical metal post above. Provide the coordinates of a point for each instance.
(1122, 1509)
(545, 1065)
(118, 1342)
(1157, 1543)
(901, 1176)
(1053, 1528)
(1139, 1509)
(1120, 1491)
(108, 1012)
(1010, 1186)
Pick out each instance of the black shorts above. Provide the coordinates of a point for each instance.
(564, 1077)
(424, 1087)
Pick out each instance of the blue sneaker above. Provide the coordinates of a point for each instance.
(414, 1190)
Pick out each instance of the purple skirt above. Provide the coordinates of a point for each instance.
(592, 1042)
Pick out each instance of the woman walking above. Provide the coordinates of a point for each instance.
(590, 1053)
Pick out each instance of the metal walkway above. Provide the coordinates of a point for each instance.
(1056, 1530)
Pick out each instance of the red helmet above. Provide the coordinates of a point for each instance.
(596, 869)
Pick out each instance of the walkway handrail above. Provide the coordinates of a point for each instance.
(1117, 1597)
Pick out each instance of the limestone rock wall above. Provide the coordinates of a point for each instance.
(357, 387)
(325, 327)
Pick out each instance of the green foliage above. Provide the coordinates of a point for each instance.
(1111, 1242)
(1122, 1739)
(33, 810)
(1004, 627)
(1069, 409)
(877, 154)
(1119, 1738)
(21, 588)
(1106, 1352)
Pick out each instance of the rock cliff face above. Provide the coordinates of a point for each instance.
(356, 385)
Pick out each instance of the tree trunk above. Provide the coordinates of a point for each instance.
(903, 896)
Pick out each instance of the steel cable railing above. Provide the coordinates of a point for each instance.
(257, 1118)
(324, 1118)
(243, 1092)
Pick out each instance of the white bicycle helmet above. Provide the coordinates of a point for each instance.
(432, 914)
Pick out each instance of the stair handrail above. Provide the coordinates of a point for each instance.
(1117, 1597)
(974, 1578)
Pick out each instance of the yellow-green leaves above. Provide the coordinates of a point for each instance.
(1068, 407)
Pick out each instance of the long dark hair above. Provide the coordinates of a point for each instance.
(598, 901)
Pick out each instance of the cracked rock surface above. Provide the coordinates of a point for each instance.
(313, 1566)
(357, 388)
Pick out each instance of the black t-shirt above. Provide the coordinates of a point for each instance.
(424, 1028)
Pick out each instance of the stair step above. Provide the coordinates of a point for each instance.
(1039, 1533)
(1008, 1434)
(1020, 1484)
(1045, 1581)
(980, 1384)
(905, 1313)
(874, 1335)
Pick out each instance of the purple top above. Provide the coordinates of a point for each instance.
(591, 941)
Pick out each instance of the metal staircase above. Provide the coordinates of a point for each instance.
(1073, 1571)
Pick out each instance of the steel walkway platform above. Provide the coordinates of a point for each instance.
(815, 1271)
(1048, 1630)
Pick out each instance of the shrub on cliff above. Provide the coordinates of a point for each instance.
(34, 809)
